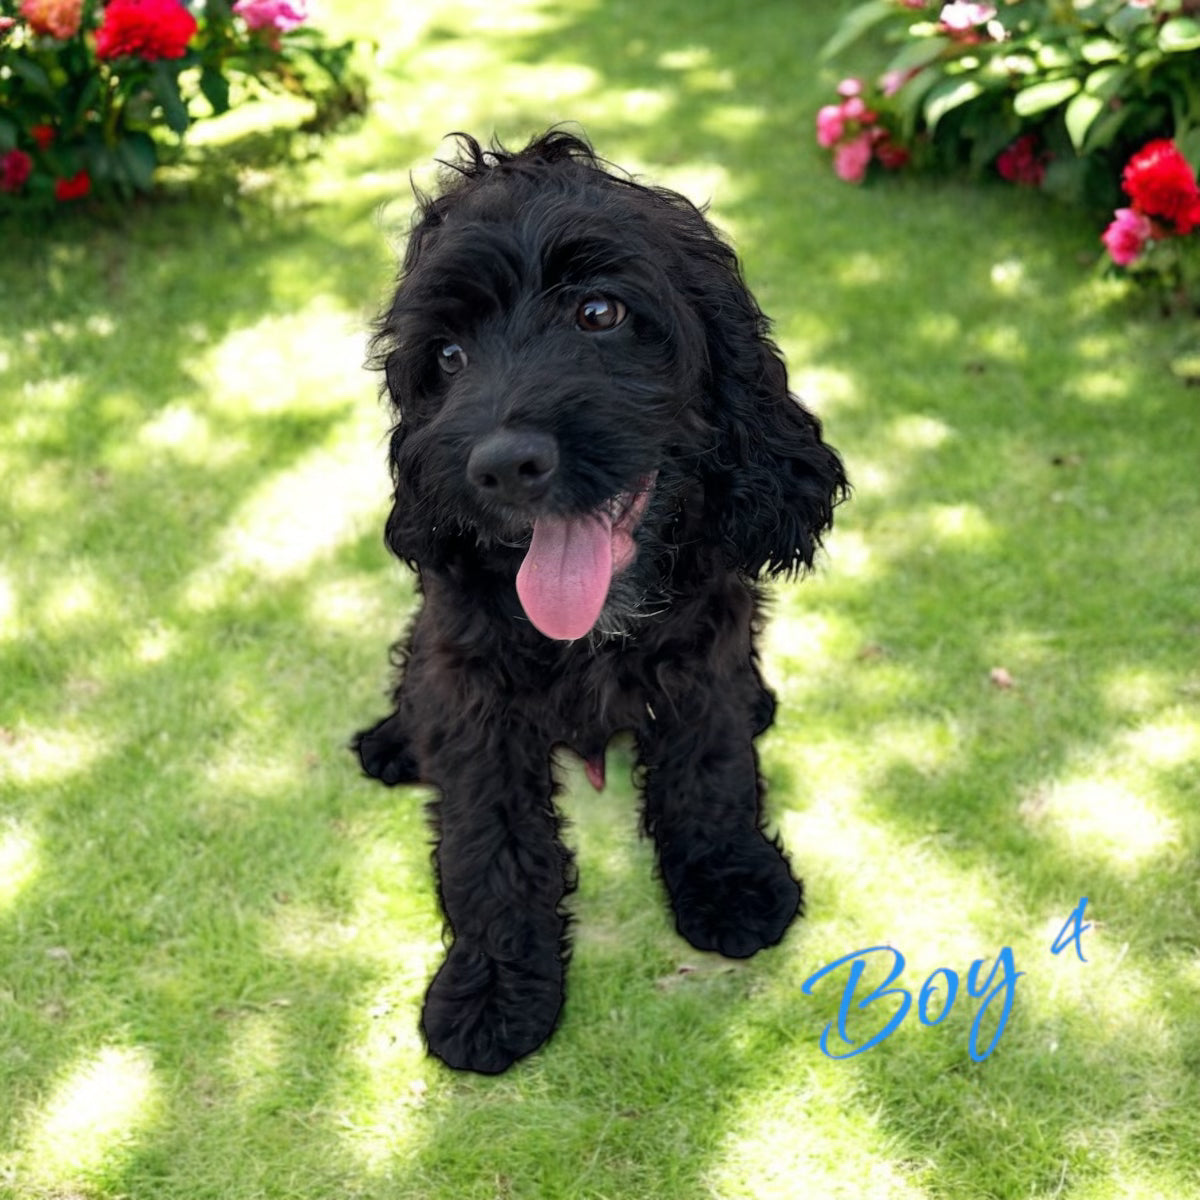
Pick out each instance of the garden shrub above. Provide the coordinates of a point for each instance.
(1095, 102)
(93, 95)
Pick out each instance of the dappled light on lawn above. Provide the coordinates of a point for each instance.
(328, 498)
(44, 754)
(183, 433)
(93, 1116)
(1104, 815)
(20, 860)
(10, 625)
(257, 1049)
(308, 360)
(1132, 689)
(817, 1139)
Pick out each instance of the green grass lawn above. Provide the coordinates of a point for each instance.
(215, 936)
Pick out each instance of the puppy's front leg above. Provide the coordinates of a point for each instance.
(502, 875)
(729, 884)
(385, 750)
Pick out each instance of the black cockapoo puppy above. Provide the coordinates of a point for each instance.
(596, 457)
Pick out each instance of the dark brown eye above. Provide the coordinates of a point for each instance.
(452, 358)
(598, 313)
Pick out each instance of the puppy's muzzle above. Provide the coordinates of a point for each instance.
(513, 466)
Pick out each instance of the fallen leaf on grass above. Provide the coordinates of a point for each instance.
(686, 971)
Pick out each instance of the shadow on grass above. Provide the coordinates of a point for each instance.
(211, 880)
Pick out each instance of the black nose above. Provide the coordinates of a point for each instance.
(513, 465)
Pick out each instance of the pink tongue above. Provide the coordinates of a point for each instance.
(564, 579)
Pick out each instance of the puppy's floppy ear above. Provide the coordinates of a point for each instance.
(771, 482)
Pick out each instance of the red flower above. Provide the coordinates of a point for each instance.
(1021, 163)
(74, 188)
(14, 170)
(1161, 184)
(42, 134)
(148, 29)
(891, 156)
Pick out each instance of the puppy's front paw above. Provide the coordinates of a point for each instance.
(385, 753)
(736, 901)
(482, 1015)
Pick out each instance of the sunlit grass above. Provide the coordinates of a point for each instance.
(93, 1115)
(19, 861)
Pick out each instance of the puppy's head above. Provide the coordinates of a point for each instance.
(585, 388)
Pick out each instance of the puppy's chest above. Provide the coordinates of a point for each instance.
(587, 706)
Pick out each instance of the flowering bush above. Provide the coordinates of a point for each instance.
(1151, 236)
(90, 92)
(1052, 94)
(856, 134)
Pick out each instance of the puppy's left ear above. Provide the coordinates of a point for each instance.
(771, 482)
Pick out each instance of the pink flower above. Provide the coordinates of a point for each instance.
(1127, 236)
(830, 126)
(961, 17)
(15, 167)
(281, 16)
(850, 87)
(851, 159)
(855, 109)
(892, 81)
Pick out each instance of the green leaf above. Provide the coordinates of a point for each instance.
(89, 94)
(1107, 125)
(908, 101)
(856, 23)
(948, 95)
(35, 78)
(1179, 34)
(1098, 50)
(918, 54)
(139, 158)
(1189, 146)
(1106, 82)
(165, 86)
(1052, 56)
(8, 135)
(1127, 19)
(1039, 97)
(1081, 114)
(215, 87)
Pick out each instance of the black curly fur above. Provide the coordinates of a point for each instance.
(689, 386)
